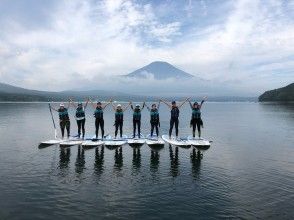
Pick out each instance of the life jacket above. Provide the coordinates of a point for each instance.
(154, 116)
(174, 113)
(196, 113)
(63, 114)
(98, 113)
(137, 114)
(80, 113)
(119, 116)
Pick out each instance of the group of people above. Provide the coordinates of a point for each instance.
(80, 116)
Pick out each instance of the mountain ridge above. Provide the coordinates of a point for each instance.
(159, 70)
(283, 94)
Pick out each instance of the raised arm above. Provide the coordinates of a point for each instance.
(131, 104)
(165, 102)
(54, 109)
(73, 103)
(86, 104)
(203, 100)
(107, 104)
(190, 104)
(183, 102)
(113, 107)
(125, 108)
(68, 105)
(148, 108)
(143, 105)
(93, 105)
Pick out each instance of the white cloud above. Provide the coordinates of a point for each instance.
(89, 41)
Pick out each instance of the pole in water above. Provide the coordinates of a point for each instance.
(55, 131)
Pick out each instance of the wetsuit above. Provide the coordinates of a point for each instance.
(174, 120)
(64, 121)
(99, 121)
(196, 119)
(119, 119)
(81, 119)
(154, 121)
(136, 121)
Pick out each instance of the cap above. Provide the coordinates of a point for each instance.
(137, 105)
(61, 105)
(119, 105)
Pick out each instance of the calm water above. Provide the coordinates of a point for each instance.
(247, 173)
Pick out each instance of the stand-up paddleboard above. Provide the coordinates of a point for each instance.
(50, 142)
(180, 142)
(71, 142)
(91, 144)
(136, 142)
(154, 141)
(110, 142)
(199, 142)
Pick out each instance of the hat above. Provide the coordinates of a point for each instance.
(61, 105)
(80, 103)
(137, 105)
(119, 105)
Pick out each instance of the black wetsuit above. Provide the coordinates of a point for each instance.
(154, 121)
(99, 121)
(196, 119)
(136, 121)
(174, 120)
(119, 120)
(64, 121)
(81, 119)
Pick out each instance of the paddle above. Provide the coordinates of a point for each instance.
(55, 131)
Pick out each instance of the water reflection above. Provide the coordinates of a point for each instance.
(196, 162)
(154, 161)
(118, 159)
(174, 161)
(136, 162)
(99, 161)
(80, 161)
(64, 158)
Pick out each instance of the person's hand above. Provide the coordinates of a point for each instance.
(205, 98)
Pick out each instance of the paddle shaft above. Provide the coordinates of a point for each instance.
(53, 120)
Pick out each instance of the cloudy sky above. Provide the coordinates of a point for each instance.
(63, 44)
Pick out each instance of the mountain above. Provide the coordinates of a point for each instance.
(278, 95)
(159, 70)
(13, 94)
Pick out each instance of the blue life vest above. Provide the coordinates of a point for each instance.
(196, 114)
(98, 113)
(119, 115)
(63, 114)
(137, 115)
(80, 113)
(154, 116)
(174, 113)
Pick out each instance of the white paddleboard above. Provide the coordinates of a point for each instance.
(89, 144)
(154, 141)
(199, 142)
(51, 142)
(111, 142)
(176, 142)
(137, 142)
(71, 142)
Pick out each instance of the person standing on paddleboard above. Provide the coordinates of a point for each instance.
(154, 118)
(98, 114)
(137, 119)
(80, 116)
(196, 117)
(174, 117)
(119, 118)
(64, 121)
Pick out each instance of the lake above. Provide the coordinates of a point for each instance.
(247, 173)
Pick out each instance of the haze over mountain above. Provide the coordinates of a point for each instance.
(159, 70)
